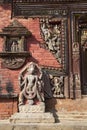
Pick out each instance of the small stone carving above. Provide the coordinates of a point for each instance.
(21, 44)
(84, 38)
(31, 85)
(75, 47)
(77, 80)
(17, 45)
(14, 46)
(58, 86)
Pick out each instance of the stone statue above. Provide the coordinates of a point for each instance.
(20, 44)
(31, 85)
(14, 46)
(57, 86)
(32, 109)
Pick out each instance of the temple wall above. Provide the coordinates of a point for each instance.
(66, 105)
(9, 85)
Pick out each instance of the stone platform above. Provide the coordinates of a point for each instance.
(32, 118)
(67, 125)
(67, 121)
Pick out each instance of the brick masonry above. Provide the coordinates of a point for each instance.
(9, 78)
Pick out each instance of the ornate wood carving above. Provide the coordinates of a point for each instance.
(77, 53)
(41, 8)
(14, 47)
(53, 32)
(36, 8)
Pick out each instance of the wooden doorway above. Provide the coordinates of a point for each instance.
(83, 51)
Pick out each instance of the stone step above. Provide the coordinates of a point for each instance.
(48, 117)
(45, 126)
(80, 116)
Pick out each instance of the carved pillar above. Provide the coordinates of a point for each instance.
(66, 88)
(76, 70)
(70, 76)
(75, 73)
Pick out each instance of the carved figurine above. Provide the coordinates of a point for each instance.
(58, 86)
(21, 43)
(14, 46)
(31, 84)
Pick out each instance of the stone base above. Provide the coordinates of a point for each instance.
(32, 108)
(77, 125)
(32, 118)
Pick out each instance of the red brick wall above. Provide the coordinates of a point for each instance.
(39, 55)
(9, 78)
(7, 107)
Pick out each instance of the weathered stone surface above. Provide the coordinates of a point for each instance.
(6, 127)
(32, 108)
(32, 118)
(45, 126)
(73, 116)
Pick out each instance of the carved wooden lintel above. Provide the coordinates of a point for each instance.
(14, 54)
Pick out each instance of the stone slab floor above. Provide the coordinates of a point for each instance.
(65, 125)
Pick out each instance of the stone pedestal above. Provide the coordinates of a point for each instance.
(32, 118)
(32, 114)
(40, 108)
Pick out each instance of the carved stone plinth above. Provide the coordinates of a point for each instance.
(32, 108)
(32, 118)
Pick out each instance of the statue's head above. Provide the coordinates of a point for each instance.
(31, 68)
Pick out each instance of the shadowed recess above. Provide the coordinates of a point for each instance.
(9, 87)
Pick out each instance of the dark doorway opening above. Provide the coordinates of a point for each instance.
(82, 22)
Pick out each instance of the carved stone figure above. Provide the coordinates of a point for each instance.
(14, 46)
(77, 80)
(75, 47)
(32, 109)
(58, 84)
(31, 84)
(21, 43)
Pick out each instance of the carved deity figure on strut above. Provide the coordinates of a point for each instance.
(31, 85)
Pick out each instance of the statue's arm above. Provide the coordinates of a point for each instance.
(41, 74)
(24, 69)
(22, 81)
